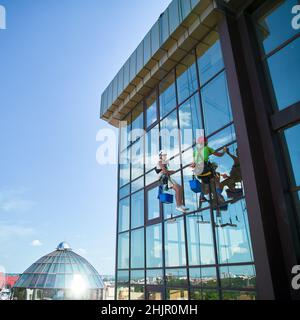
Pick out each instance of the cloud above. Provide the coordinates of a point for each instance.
(36, 243)
(14, 201)
(8, 231)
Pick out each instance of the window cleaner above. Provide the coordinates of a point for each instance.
(203, 169)
(233, 178)
(167, 182)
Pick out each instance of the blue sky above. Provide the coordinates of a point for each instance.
(56, 58)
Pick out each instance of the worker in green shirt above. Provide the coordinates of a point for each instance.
(202, 168)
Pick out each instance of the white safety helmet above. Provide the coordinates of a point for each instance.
(162, 153)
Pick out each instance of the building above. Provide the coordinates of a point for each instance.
(59, 275)
(231, 68)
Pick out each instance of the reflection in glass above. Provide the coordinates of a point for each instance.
(177, 294)
(186, 75)
(234, 244)
(123, 251)
(210, 61)
(151, 177)
(176, 277)
(175, 244)
(238, 295)
(137, 159)
(216, 104)
(137, 293)
(124, 214)
(169, 134)
(137, 184)
(151, 148)
(200, 239)
(137, 248)
(154, 276)
(274, 26)
(190, 121)
(284, 67)
(153, 204)
(137, 277)
(124, 167)
(137, 209)
(204, 277)
(151, 113)
(167, 98)
(154, 246)
(238, 277)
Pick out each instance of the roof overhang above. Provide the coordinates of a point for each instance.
(198, 26)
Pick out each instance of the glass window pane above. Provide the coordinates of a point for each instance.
(284, 67)
(151, 113)
(274, 26)
(292, 140)
(137, 119)
(186, 76)
(153, 204)
(137, 293)
(122, 285)
(200, 239)
(154, 246)
(234, 243)
(238, 277)
(238, 295)
(123, 251)
(190, 121)
(137, 248)
(60, 281)
(177, 294)
(216, 104)
(50, 282)
(124, 191)
(154, 276)
(210, 61)
(222, 138)
(167, 98)
(204, 277)
(137, 184)
(169, 134)
(137, 159)
(124, 167)
(137, 209)
(151, 148)
(124, 214)
(175, 254)
(176, 277)
(125, 130)
(151, 177)
(137, 277)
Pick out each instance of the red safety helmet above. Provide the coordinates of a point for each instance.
(202, 140)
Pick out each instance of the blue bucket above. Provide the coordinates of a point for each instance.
(166, 198)
(195, 185)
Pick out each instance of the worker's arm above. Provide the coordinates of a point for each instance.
(163, 168)
(234, 158)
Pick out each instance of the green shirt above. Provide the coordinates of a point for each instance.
(202, 154)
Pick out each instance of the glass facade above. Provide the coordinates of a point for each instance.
(205, 253)
(280, 50)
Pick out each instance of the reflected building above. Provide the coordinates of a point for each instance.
(59, 275)
(227, 68)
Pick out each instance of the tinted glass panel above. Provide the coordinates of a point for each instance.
(124, 215)
(137, 209)
(154, 246)
(167, 98)
(137, 248)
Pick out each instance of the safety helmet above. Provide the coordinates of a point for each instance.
(162, 153)
(202, 140)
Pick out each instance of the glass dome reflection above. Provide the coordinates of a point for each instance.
(61, 274)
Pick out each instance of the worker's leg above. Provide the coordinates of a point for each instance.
(178, 194)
